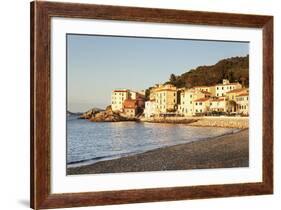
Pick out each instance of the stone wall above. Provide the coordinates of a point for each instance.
(226, 122)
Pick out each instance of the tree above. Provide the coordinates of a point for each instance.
(173, 79)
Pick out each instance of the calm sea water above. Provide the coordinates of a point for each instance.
(89, 142)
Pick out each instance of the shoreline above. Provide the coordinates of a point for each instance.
(223, 122)
(227, 151)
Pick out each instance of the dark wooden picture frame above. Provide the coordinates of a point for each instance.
(41, 14)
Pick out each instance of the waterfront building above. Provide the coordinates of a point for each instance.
(232, 105)
(187, 98)
(226, 86)
(139, 97)
(117, 99)
(130, 108)
(150, 109)
(218, 104)
(243, 103)
(201, 105)
(152, 92)
(166, 98)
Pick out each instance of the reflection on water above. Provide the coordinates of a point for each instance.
(89, 142)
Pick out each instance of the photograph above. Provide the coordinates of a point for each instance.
(140, 104)
(132, 104)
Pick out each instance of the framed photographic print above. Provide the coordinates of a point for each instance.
(136, 105)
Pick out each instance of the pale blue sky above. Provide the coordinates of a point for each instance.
(98, 64)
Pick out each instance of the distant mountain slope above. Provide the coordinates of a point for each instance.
(234, 69)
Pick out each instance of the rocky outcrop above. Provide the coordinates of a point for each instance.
(90, 113)
(107, 115)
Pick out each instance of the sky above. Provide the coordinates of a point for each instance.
(98, 64)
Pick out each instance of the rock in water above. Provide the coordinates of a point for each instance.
(90, 113)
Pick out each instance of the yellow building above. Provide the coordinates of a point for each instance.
(166, 98)
(152, 93)
(210, 89)
(232, 100)
(117, 99)
(187, 98)
(243, 103)
(226, 86)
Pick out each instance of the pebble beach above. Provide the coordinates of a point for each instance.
(231, 150)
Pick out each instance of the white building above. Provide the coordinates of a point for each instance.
(201, 105)
(226, 86)
(117, 99)
(150, 109)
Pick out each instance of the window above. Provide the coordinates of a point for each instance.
(190, 102)
(190, 96)
(200, 103)
(217, 88)
(217, 94)
(200, 110)
(222, 88)
(174, 94)
(196, 103)
(196, 110)
(174, 101)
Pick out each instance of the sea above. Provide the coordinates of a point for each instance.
(91, 142)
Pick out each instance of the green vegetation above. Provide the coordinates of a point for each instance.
(235, 69)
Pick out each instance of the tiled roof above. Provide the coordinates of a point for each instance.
(243, 94)
(237, 90)
(121, 91)
(165, 89)
(201, 99)
(130, 104)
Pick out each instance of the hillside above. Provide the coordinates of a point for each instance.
(234, 69)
